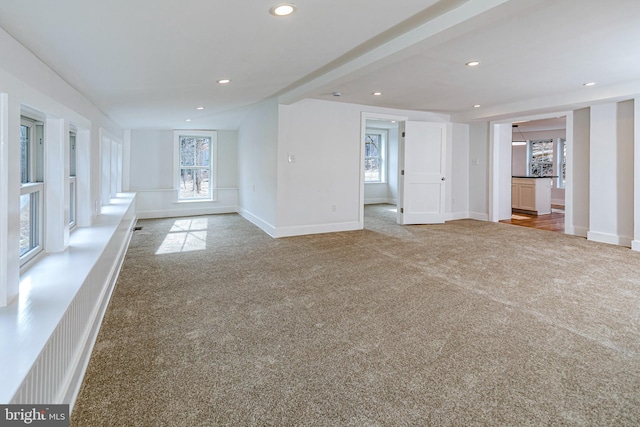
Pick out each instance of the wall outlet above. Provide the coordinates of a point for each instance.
(292, 158)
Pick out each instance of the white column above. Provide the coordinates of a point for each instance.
(9, 199)
(611, 174)
(56, 185)
(635, 245)
(500, 172)
(578, 164)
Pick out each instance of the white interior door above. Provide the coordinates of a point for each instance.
(422, 179)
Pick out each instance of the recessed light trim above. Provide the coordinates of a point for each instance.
(376, 93)
(589, 84)
(472, 63)
(224, 81)
(476, 106)
(188, 120)
(283, 9)
(199, 108)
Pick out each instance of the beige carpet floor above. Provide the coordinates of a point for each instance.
(213, 322)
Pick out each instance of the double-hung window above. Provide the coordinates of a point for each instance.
(541, 157)
(196, 156)
(374, 156)
(31, 188)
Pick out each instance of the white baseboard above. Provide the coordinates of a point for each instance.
(318, 229)
(612, 239)
(258, 222)
(479, 216)
(375, 201)
(576, 231)
(452, 216)
(635, 245)
(380, 200)
(187, 211)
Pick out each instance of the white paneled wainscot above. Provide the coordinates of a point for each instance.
(47, 336)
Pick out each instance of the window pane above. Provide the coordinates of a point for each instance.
(187, 151)
(372, 144)
(29, 214)
(72, 155)
(72, 202)
(541, 158)
(194, 183)
(202, 151)
(372, 170)
(24, 153)
(25, 224)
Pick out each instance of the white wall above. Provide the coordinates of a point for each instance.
(325, 139)
(611, 173)
(458, 176)
(578, 150)
(63, 294)
(258, 164)
(26, 83)
(501, 172)
(519, 160)
(479, 170)
(152, 161)
(624, 174)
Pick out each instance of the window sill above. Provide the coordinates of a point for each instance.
(181, 202)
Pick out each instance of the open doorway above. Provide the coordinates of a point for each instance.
(380, 162)
(538, 173)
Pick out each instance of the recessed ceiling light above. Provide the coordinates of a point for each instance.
(188, 120)
(200, 108)
(224, 81)
(589, 84)
(283, 9)
(472, 63)
(377, 93)
(476, 106)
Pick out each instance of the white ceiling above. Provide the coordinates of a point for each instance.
(150, 63)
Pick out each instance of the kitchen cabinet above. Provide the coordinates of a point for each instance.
(531, 194)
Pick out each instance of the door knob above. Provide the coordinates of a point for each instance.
(442, 179)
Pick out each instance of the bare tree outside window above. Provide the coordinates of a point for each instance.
(373, 157)
(541, 157)
(194, 167)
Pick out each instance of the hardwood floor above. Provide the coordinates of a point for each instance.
(551, 222)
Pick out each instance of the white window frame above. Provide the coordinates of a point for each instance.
(213, 163)
(384, 138)
(73, 180)
(562, 161)
(35, 190)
